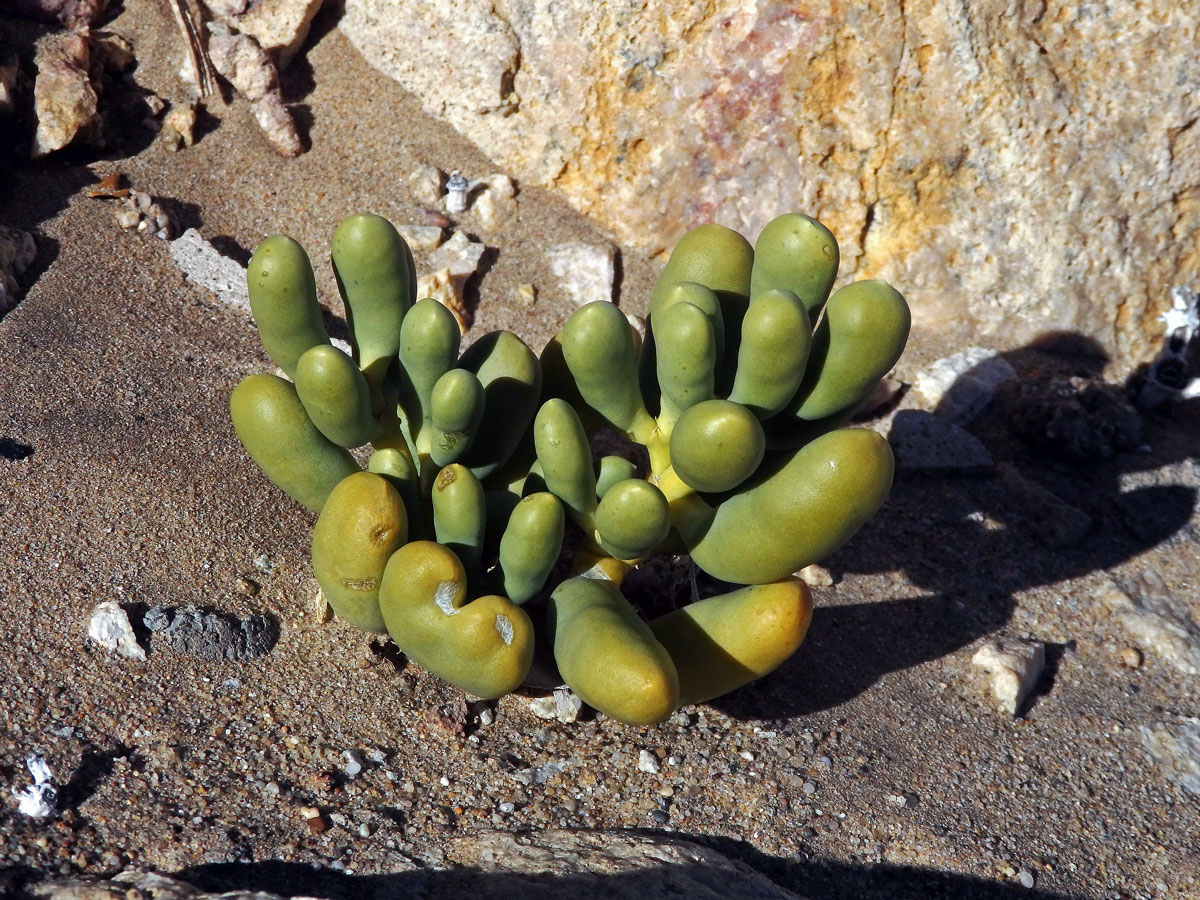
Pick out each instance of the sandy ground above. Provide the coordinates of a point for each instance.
(872, 765)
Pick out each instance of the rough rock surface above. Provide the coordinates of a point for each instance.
(584, 271)
(279, 26)
(669, 867)
(1015, 667)
(923, 442)
(246, 66)
(17, 250)
(202, 263)
(1177, 751)
(68, 13)
(1031, 166)
(497, 865)
(138, 884)
(121, 477)
(213, 635)
(64, 97)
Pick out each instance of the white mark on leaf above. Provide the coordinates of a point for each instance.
(505, 628)
(444, 597)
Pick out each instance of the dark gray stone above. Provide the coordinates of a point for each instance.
(924, 442)
(212, 635)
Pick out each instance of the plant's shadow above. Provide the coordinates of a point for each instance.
(967, 544)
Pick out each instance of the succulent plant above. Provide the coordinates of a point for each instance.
(485, 515)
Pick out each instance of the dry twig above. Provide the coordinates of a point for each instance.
(189, 21)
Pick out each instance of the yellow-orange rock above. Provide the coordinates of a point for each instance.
(1018, 167)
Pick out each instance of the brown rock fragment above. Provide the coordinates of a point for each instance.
(246, 66)
(178, 127)
(279, 26)
(68, 13)
(64, 97)
(9, 69)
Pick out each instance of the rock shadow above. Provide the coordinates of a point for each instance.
(1077, 485)
(822, 878)
(14, 450)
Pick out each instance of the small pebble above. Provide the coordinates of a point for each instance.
(647, 762)
(364, 830)
(1131, 658)
(507, 808)
(809, 788)
(352, 762)
(321, 610)
(1026, 878)
(816, 576)
(247, 586)
(486, 716)
(660, 816)
(525, 295)
(1015, 666)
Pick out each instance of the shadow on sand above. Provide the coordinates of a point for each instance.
(969, 543)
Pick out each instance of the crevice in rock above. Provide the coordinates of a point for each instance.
(868, 221)
(872, 200)
(508, 78)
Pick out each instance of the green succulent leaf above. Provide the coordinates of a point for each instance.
(361, 525)
(609, 656)
(714, 256)
(858, 341)
(530, 546)
(721, 260)
(611, 470)
(456, 408)
(798, 511)
(396, 465)
(716, 445)
(721, 643)
(460, 515)
(798, 254)
(336, 396)
(512, 386)
(681, 292)
(272, 425)
(429, 342)
(598, 347)
(631, 519)
(687, 359)
(565, 459)
(375, 275)
(776, 339)
(484, 646)
(283, 300)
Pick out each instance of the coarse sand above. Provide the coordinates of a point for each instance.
(872, 765)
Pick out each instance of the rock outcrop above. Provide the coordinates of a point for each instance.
(1017, 168)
